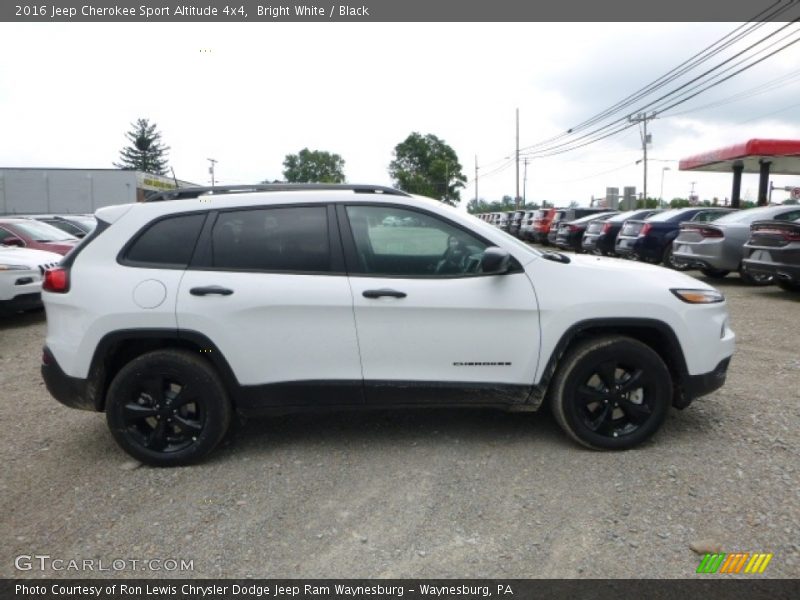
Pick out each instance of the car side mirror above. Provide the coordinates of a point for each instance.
(13, 241)
(495, 261)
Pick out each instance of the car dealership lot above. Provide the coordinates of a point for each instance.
(440, 493)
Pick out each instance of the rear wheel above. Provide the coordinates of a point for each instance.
(611, 392)
(714, 273)
(671, 261)
(755, 278)
(167, 408)
(789, 286)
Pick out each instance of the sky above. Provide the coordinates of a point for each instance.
(248, 94)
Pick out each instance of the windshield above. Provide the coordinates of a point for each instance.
(42, 232)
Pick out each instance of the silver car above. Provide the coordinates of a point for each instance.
(717, 248)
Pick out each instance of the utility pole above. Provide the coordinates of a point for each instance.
(476, 180)
(643, 118)
(525, 183)
(516, 198)
(211, 169)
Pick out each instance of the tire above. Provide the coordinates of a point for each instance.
(788, 286)
(714, 273)
(670, 261)
(610, 415)
(755, 278)
(168, 408)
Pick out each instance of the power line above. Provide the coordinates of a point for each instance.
(694, 61)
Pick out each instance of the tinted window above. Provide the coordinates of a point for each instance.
(428, 246)
(273, 239)
(168, 242)
(788, 216)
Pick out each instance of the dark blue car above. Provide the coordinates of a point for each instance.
(650, 240)
(600, 236)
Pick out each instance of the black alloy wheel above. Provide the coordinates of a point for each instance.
(167, 408)
(611, 392)
(671, 261)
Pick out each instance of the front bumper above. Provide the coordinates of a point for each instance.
(69, 391)
(21, 302)
(705, 383)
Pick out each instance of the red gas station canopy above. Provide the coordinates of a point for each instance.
(783, 154)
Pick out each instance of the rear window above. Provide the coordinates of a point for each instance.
(754, 214)
(166, 243)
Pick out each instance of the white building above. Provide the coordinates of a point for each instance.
(75, 191)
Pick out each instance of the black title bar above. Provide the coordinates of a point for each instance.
(398, 11)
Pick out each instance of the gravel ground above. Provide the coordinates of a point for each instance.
(440, 493)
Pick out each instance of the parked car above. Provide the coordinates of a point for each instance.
(541, 225)
(570, 233)
(26, 233)
(601, 235)
(21, 273)
(651, 239)
(562, 215)
(774, 249)
(516, 222)
(526, 227)
(173, 312)
(503, 221)
(717, 248)
(75, 225)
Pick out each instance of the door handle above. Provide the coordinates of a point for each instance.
(210, 289)
(384, 292)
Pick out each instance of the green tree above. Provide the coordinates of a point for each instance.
(426, 165)
(145, 152)
(313, 166)
(679, 203)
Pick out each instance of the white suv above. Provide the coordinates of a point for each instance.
(175, 313)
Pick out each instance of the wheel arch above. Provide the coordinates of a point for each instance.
(118, 348)
(654, 333)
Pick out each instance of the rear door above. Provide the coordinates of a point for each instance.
(268, 288)
(431, 327)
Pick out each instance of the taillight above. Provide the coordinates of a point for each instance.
(787, 235)
(606, 227)
(706, 232)
(710, 233)
(574, 228)
(646, 229)
(56, 280)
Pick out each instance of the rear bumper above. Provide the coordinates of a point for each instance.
(780, 271)
(69, 391)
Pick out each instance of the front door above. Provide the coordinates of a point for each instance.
(431, 327)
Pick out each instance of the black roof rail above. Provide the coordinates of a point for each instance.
(194, 192)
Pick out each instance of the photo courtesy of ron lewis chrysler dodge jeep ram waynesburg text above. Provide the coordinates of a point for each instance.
(176, 313)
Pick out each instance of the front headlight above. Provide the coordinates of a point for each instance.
(698, 296)
(14, 268)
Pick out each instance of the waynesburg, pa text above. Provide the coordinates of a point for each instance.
(214, 591)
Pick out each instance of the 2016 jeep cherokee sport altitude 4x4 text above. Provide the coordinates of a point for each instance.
(173, 314)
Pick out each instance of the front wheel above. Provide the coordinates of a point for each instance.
(167, 408)
(611, 392)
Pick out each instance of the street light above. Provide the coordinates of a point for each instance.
(661, 195)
